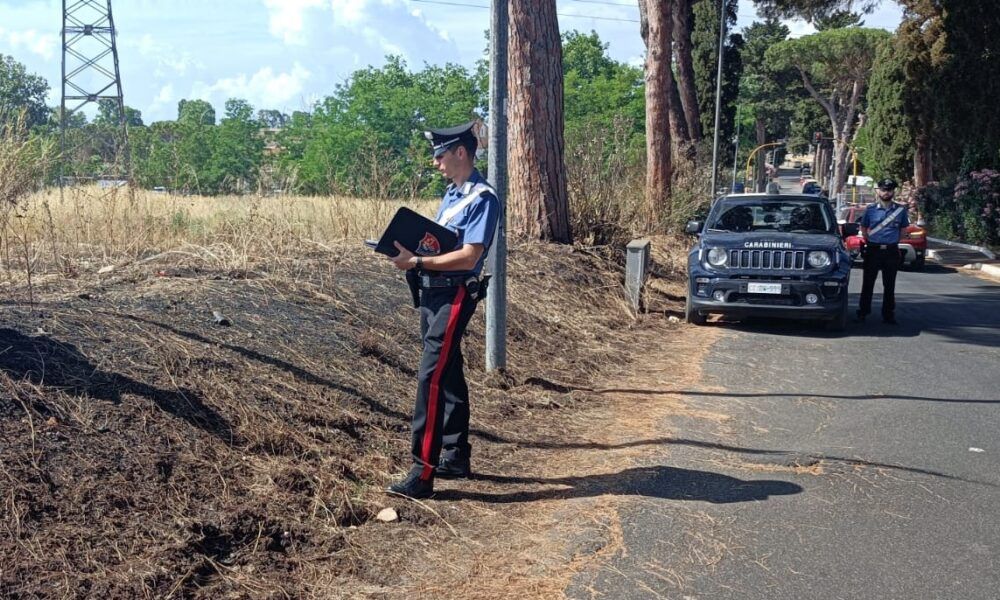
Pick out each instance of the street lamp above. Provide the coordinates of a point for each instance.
(718, 95)
(754, 152)
(854, 191)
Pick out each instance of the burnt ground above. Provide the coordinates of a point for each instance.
(149, 450)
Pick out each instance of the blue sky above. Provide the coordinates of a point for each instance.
(286, 54)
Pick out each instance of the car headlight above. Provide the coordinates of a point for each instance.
(819, 259)
(717, 257)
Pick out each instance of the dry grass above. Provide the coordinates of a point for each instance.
(82, 229)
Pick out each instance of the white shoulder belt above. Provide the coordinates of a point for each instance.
(452, 212)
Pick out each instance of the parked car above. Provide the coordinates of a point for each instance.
(912, 244)
(811, 186)
(761, 255)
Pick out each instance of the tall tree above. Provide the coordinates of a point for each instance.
(683, 20)
(966, 58)
(887, 137)
(107, 114)
(237, 150)
(597, 88)
(768, 95)
(835, 66)
(810, 10)
(195, 112)
(537, 196)
(706, 52)
(657, 32)
(837, 19)
(22, 91)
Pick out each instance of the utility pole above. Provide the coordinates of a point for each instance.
(736, 151)
(718, 95)
(496, 297)
(90, 74)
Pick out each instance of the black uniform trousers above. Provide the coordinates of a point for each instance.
(441, 414)
(887, 261)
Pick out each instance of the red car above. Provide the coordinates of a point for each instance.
(912, 245)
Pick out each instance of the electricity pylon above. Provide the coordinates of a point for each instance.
(90, 75)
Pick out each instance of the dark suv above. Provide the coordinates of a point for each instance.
(769, 255)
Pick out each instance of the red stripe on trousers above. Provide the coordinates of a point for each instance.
(432, 399)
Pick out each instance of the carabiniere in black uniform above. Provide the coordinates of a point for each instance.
(450, 287)
(882, 225)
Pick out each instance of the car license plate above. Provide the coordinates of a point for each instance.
(764, 288)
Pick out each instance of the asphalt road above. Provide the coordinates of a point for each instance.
(864, 464)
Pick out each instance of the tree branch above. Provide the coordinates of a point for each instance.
(827, 105)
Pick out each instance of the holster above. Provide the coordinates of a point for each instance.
(476, 287)
(413, 281)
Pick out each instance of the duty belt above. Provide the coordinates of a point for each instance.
(428, 281)
(885, 246)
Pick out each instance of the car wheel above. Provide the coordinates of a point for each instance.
(918, 263)
(691, 315)
(839, 323)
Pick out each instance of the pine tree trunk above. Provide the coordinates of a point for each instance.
(760, 173)
(922, 161)
(683, 23)
(678, 122)
(537, 199)
(659, 79)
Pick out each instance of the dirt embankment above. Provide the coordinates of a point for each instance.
(150, 450)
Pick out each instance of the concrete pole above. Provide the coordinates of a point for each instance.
(736, 152)
(496, 297)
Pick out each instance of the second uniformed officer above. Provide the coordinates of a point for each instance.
(882, 225)
(450, 288)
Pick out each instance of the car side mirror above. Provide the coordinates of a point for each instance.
(851, 229)
(693, 227)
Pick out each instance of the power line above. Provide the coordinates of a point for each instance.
(604, 2)
(446, 3)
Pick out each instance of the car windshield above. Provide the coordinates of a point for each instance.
(850, 214)
(772, 215)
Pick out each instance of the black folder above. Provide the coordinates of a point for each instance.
(416, 233)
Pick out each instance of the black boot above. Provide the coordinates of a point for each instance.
(889, 320)
(454, 468)
(413, 486)
(859, 317)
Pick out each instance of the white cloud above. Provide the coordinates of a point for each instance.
(350, 12)
(163, 99)
(166, 94)
(263, 89)
(168, 60)
(42, 44)
(798, 28)
(287, 18)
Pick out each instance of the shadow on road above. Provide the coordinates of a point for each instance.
(669, 483)
(962, 318)
(562, 389)
(790, 457)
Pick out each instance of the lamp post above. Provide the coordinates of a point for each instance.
(718, 94)
(736, 150)
(754, 152)
(854, 192)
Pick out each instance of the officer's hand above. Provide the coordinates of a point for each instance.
(403, 260)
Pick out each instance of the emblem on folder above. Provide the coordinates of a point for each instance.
(429, 246)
